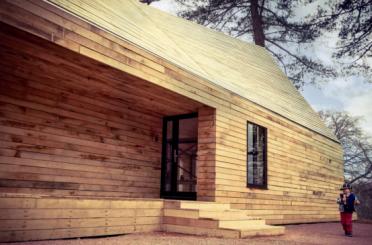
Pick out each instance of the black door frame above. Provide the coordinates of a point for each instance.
(173, 194)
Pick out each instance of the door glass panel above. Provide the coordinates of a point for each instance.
(186, 167)
(188, 129)
(180, 156)
(187, 147)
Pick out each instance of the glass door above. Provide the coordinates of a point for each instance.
(180, 134)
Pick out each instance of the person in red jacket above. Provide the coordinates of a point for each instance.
(347, 202)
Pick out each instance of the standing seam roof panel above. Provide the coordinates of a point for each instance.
(242, 68)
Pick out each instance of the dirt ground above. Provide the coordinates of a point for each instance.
(323, 233)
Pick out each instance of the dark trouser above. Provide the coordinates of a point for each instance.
(346, 221)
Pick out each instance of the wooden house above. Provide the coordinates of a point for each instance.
(118, 118)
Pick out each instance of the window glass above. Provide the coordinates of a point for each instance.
(256, 156)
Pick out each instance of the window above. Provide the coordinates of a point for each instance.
(256, 156)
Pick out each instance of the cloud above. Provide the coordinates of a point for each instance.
(353, 95)
(169, 6)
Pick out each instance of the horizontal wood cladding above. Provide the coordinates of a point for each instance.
(29, 218)
(71, 126)
(245, 69)
(206, 175)
(304, 168)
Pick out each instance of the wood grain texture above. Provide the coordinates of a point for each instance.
(49, 117)
(25, 218)
(244, 69)
(206, 172)
(71, 126)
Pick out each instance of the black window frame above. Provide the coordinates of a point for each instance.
(265, 179)
(174, 194)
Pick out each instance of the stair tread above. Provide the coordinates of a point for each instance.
(265, 227)
(216, 232)
(215, 219)
(214, 214)
(246, 226)
(253, 233)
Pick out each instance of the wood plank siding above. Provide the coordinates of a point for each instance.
(35, 218)
(84, 118)
(72, 126)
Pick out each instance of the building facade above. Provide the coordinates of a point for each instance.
(111, 108)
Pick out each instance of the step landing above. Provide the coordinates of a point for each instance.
(214, 219)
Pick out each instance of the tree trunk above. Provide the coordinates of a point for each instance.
(258, 34)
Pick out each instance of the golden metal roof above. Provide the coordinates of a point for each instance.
(242, 68)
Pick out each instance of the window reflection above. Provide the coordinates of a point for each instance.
(256, 155)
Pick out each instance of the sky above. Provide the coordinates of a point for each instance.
(351, 94)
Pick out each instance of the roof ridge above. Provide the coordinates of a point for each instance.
(203, 52)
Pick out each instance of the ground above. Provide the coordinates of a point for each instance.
(323, 233)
